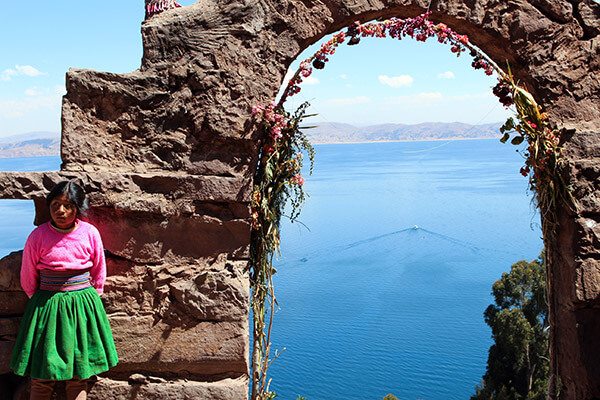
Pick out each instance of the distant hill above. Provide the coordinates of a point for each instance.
(34, 144)
(31, 144)
(335, 132)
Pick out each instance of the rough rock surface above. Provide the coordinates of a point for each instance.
(142, 387)
(167, 153)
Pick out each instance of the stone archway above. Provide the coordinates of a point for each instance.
(167, 155)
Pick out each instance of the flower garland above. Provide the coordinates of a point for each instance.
(419, 28)
(278, 174)
(543, 162)
(154, 7)
(277, 179)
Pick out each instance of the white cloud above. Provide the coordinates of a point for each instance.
(396, 81)
(26, 70)
(346, 101)
(31, 92)
(344, 76)
(446, 75)
(7, 74)
(37, 99)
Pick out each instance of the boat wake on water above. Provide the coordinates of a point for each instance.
(408, 244)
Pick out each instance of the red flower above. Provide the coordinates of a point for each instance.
(297, 179)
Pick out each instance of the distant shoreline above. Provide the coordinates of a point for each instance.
(407, 140)
(5, 156)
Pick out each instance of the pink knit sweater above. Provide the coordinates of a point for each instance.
(46, 248)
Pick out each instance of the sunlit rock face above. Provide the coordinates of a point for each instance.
(167, 154)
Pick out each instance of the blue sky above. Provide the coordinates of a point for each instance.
(380, 80)
(387, 80)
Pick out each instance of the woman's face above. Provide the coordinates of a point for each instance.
(63, 212)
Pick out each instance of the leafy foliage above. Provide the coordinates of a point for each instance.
(277, 180)
(518, 364)
(543, 157)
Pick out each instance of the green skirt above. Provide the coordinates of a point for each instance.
(64, 335)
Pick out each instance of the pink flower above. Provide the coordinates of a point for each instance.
(276, 132)
(297, 180)
(256, 110)
(340, 37)
(268, 115)
(255, 224)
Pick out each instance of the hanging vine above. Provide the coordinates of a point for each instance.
(278, 178)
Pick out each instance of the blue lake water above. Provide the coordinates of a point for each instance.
(382, 289)
(16, 216)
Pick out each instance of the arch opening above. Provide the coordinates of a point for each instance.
(416, 228)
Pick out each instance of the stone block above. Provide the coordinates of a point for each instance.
(27, 185)
(9, 327)
(154, 238)
(555, 11)
(6, 347)
(209, 290)
(588, 285)
(10, 270)
(589, 18)
(588, 236)
(12, 303)
(126, 134)
(166, 192)
(189, 347)
(586, 186)
(225, 389)
(216, 294)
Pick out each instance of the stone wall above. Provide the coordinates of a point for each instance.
(167, 153)
(177, 288)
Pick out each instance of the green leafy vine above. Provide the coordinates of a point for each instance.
(277, 179)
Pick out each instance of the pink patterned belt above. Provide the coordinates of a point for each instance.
(64, 281)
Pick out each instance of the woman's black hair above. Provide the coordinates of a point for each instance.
(74, 193)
